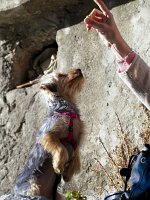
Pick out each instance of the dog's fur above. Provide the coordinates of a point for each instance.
(51, 158)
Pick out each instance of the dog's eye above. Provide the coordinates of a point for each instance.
(49, 87)
(62, 75)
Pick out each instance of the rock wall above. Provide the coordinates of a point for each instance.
(115, 122)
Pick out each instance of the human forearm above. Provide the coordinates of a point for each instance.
(120, 48)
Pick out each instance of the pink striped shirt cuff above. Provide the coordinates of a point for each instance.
(125, 63)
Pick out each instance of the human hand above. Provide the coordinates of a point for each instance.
(103, 21)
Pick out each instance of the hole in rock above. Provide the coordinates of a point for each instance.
(28, 67)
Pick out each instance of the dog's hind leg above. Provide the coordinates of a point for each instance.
(73, 167)
(52, 145)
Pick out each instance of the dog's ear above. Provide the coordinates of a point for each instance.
(52, 87)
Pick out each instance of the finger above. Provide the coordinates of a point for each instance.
(93, 23)
(103, 7)
(100, 19)
(96, 15)
(88, 27)
(95, 12)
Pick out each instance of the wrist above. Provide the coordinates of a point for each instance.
(120, 48)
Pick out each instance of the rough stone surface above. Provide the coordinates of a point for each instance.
(20, 197)
(23, 114)
(109, 109)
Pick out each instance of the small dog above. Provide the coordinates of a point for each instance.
(56, 151)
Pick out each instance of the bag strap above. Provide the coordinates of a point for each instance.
(127, 171)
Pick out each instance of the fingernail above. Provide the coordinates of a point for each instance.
(86, 19)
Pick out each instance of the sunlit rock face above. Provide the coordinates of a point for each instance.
(32, 33)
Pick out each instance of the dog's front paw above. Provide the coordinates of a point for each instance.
(59, 161)
(58, 169)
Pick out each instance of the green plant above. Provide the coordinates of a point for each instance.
(75, 195)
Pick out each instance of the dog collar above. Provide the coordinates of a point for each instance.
(69, 138)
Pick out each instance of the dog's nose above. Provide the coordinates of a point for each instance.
(79, 70)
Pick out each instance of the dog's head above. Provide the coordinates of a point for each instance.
(64, 85)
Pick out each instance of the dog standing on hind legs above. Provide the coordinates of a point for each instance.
(55, 153)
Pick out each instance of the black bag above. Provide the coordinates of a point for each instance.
(140, 175)
(138, 172)
(115, 196)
